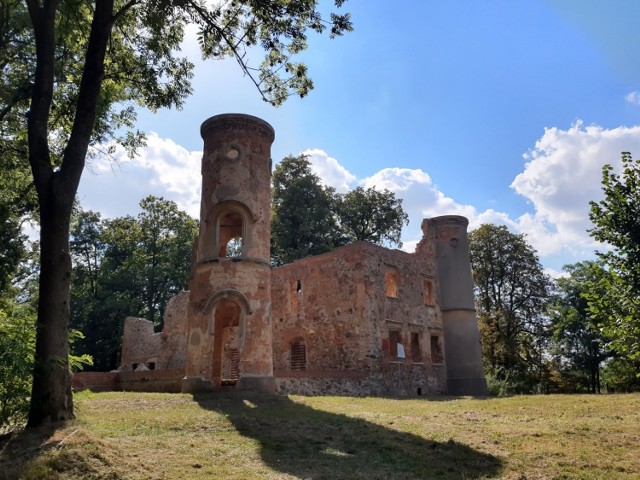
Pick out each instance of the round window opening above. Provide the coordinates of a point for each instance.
(233, 153)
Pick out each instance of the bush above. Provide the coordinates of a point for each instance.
(17, 347)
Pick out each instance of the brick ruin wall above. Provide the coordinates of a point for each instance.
(338, 306)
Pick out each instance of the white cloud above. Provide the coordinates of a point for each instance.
(420, 199)
(329, 170)
(114, 186)
(562, 175)
(633, 98)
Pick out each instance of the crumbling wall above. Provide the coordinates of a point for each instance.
(342, 307)
(143, 349)
(140, 345)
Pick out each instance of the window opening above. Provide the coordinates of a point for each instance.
(416, 353)
(298, 286)
(151, 365)
(436, 349)
(391, 279)
(298, 356)
(396, 349)
(293, 297)
(428, 291)
(230, 234)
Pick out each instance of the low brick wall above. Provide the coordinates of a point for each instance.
(169, 381)
(95, 381)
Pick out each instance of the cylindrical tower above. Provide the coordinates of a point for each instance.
(229, 340)
(463, 355)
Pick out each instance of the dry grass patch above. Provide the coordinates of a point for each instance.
(238, 436)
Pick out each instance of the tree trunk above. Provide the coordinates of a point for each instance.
(51, 398)
(51, 393)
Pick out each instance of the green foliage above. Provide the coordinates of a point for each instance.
(302, 218)
(578, 344)
(17, 345)
(620, 375)
(309, 218)
(616, 221)
(372, 215)
(511, 294)
(126, 267)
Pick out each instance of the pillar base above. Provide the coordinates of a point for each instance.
(266, 384)
(476, 387)
(196, 385)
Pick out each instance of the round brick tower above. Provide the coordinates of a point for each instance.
(460, 325)
(229, 341)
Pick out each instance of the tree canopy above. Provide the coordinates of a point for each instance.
(309, 218)
(126, 267)
(511, 296)
(302, 219)
(616, 220)
(579, 346)
(372, 215)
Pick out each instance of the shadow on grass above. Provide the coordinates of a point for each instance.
(20, 447)
(314, 444)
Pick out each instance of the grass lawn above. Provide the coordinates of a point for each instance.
(248, 436)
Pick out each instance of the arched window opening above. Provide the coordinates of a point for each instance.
(298, 355)
(226, 360)
(230, 234)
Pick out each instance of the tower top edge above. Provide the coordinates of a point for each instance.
(237, 121)
(450, 220)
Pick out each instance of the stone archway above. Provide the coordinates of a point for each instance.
(227, 318)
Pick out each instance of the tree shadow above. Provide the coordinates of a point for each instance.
(314, 444)
(19, 447)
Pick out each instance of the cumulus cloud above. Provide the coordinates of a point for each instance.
(329, 170)
(562, 174)
(114, 186)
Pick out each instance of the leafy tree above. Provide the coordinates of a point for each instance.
(578, 343)
(616, 220)
(164, 253)
(17, 345)
(302, 220)
(75, 70)
(372, 215)
(126, 266)
(308, 218)
(620, 374)
(511, 296)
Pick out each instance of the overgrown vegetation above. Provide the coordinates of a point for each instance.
(249, 436)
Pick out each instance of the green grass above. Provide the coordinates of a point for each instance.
(249, 436)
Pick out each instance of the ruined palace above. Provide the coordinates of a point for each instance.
(361, 320)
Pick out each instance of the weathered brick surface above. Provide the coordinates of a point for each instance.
(337, 304)
(95, 381)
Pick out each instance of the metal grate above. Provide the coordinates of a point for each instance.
(298, 356)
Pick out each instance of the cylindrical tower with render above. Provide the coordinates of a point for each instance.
(229, 339)
(460, 325)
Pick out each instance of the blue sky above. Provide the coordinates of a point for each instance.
(502, 111)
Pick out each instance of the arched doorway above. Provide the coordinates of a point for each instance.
(226, 353)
